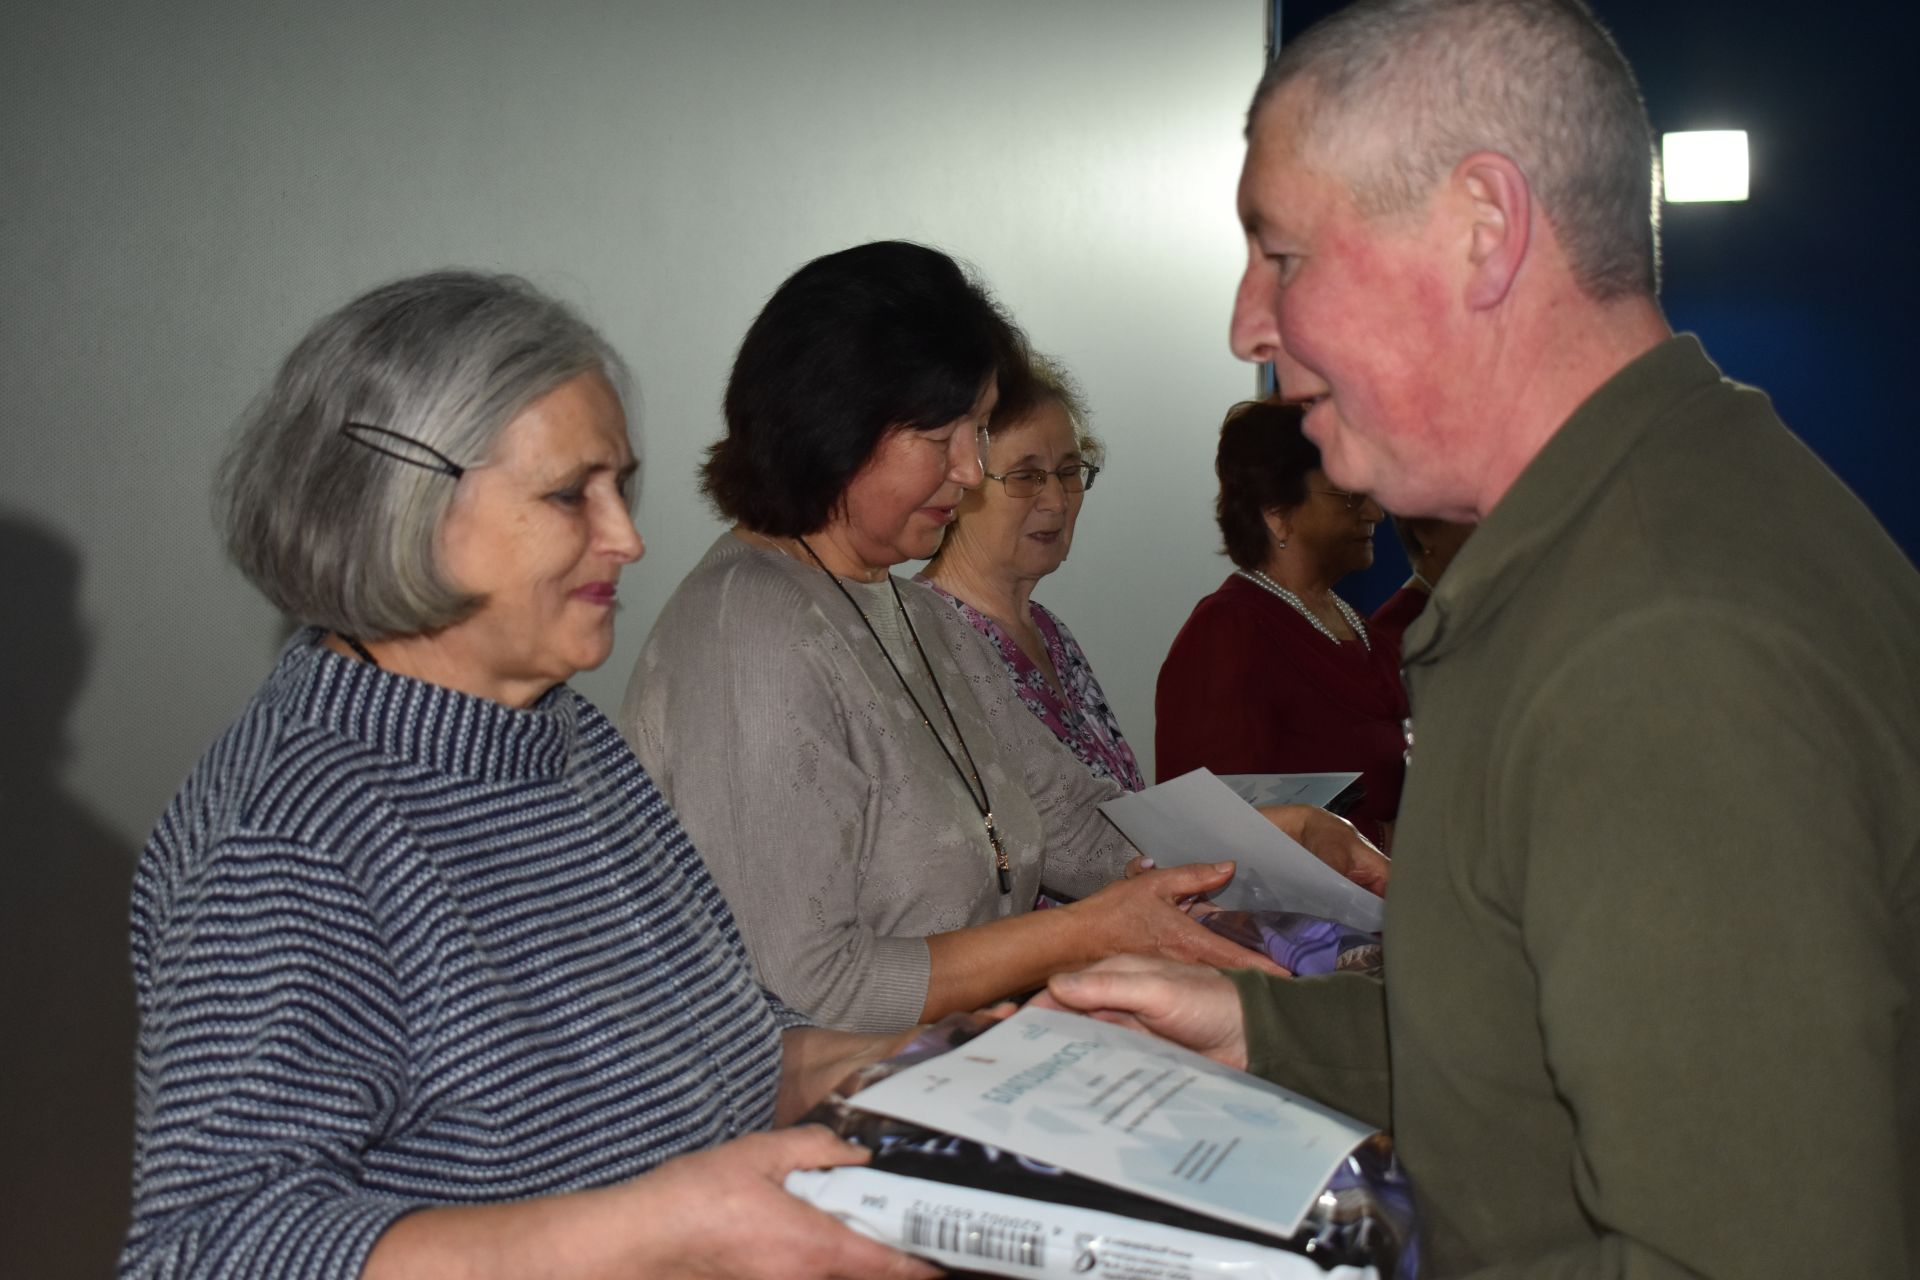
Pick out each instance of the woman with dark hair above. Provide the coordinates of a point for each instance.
(1273, 672)
(430, 980)
(848, 755)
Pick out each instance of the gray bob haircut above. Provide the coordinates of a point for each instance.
(1403, 90)
(342, 536)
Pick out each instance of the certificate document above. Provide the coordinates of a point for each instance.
(1130, 1110)
(1262, 789)
(1197, 818)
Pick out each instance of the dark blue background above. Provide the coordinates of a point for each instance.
(1806, 288)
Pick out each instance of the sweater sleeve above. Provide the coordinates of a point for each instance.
(1720, 964)
(736, 711)
(271, 1056)
(1324, 1037)
(1084, 851)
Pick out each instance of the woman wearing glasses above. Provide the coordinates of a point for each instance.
(1013, 531)
(846, 753)
(1274, 672)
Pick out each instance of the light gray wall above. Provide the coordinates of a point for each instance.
(184, 187)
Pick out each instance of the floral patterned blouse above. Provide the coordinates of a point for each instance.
(1084, 721)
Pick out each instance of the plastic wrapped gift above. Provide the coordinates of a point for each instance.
(1300, 944)
(980, 1210)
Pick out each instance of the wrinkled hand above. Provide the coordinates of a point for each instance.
(1145, 914)
(724, 1213)
(1184, 1003)
(1335, 841)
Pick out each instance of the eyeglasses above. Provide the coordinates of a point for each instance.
(1352, 501)
(1025, 484)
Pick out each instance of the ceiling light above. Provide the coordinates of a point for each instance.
(1706, 165)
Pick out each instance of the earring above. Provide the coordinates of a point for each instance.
(1281, 544)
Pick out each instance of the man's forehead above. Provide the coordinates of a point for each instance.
(1276, 164)
(1284, 120)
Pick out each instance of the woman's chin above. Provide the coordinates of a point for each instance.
(922, 548)
(588, 654)
(1038, 559)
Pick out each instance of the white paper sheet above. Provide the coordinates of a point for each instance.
(1197, 818)
(1260, 789)
(1131, 1110)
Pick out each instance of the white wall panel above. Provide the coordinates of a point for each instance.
(190, 185)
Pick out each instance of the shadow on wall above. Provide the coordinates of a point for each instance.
(66, 1057)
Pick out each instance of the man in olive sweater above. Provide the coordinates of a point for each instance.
(1651, 963)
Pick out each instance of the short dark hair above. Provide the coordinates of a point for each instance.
(1263, 463)
(881, 337)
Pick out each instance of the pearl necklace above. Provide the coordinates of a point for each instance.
(1261, 580)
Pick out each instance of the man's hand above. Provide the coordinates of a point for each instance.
(1184, 1003)
(1334, 841)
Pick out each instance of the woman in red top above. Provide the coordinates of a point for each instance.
(1273, 672)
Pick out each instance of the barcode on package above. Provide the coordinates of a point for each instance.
(1023, 1239)
(974, 1239)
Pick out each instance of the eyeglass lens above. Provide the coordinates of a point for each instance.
(1025, 484)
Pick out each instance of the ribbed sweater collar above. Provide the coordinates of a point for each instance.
(410, 720)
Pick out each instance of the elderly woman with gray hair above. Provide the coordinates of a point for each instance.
(431, 981)
(1009, 534)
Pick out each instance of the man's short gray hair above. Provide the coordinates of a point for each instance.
(1400, 91)
(343, 536)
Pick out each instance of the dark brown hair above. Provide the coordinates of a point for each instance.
(1263, 463)
(882, 337)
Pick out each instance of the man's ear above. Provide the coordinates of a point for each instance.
(1500, 203)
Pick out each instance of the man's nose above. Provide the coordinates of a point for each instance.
(1255, 335)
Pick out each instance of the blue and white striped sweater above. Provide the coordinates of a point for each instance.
(397, 946)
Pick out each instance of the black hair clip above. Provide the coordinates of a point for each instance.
(413, 452)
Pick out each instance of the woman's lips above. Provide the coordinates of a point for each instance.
(596, 592)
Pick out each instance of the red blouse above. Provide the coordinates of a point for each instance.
(1250, 686)
(1390, 621)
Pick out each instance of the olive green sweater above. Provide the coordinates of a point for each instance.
(1651, 943)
